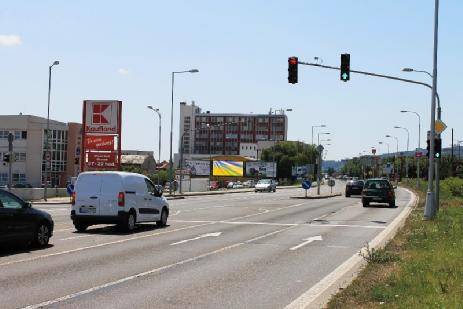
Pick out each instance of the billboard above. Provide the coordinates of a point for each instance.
(303, 170)
(198, 168)
(101, 135)
(261, 168)
(227, 168)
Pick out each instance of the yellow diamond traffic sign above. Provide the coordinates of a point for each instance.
(440, 126)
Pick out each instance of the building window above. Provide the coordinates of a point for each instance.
(4, 134)
(3, 179)
(19, 178)
(20, 156)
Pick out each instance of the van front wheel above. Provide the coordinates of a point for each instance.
(80, 227)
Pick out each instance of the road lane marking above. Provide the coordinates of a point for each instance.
(318, 295)
(349, 225)
(215, 234)
(150, 272)
(100, 245)
(75, 237)
(306, 242)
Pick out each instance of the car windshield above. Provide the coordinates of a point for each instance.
(377, 184)
(264, 181)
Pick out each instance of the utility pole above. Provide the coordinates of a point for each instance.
(430, 207)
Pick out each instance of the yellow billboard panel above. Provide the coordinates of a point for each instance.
(227, 168)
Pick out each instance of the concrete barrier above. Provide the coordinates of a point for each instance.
(31, 194)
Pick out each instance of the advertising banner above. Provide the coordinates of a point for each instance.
(227, 168)
(198, 168)
(100, 142)
(303, 170)
(261, 168)
(101, 160)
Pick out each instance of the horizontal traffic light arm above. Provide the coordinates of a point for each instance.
(405, 80)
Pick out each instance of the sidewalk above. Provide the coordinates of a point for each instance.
(66, 200)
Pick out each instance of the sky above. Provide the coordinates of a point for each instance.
(126, 50)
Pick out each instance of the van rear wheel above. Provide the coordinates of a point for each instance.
(80, 227)
(129, 222)
(163, 219)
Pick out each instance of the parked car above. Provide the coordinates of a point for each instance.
(214, 185)
(249, 183)
(230, 185)
(19, 221)
(379, 191)
(118, 198)
(354, 187)
(267, 185)
(238, 185)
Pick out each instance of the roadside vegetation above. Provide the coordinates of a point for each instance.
(422, 267)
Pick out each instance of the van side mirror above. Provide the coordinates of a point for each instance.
(27, 205)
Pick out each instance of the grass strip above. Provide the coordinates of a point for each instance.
(422, 267)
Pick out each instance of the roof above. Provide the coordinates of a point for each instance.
(123, 174)
(134, 159)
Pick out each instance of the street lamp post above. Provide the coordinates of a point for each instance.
(318, 137)
(397, 151)
(408, 141)
(419, 147)
(319, 126)
(171, 163)
(156, 110)
(48, 154)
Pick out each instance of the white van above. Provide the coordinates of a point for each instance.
(117, 198)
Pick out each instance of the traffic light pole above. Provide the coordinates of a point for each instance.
(430, 209)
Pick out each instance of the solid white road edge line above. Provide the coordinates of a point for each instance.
(149, 272)
(101, 245)
(319, 294)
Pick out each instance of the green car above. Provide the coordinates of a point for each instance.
(379, 191)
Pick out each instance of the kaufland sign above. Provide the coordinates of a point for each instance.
(101, 145)
(102, 116)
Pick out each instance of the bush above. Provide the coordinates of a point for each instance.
(453, 186)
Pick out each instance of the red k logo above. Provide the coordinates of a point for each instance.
(101, 113)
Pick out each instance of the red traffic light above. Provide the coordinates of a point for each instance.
(292, 60)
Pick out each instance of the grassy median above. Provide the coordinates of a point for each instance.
(422, 267)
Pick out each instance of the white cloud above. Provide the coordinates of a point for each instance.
(10, 40)
(123, 71)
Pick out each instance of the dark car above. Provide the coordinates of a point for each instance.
(354, 187)
(20, 222)
(379, 191)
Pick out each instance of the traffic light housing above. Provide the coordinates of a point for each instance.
(345, 67)
(292, 70)
(437, 148)
(6, 158)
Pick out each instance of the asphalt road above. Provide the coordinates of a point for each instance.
(243, 250)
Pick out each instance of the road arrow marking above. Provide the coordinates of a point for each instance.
(306, 242)
(216, 234)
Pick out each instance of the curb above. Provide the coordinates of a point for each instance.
(320, 294)
(176, 197)
(315, 197)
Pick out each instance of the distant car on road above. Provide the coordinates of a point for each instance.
(354, 187)
(249, 183)
(118, 198)
(19, 221)
(238, 185)
(379, 191)
(265, 185)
